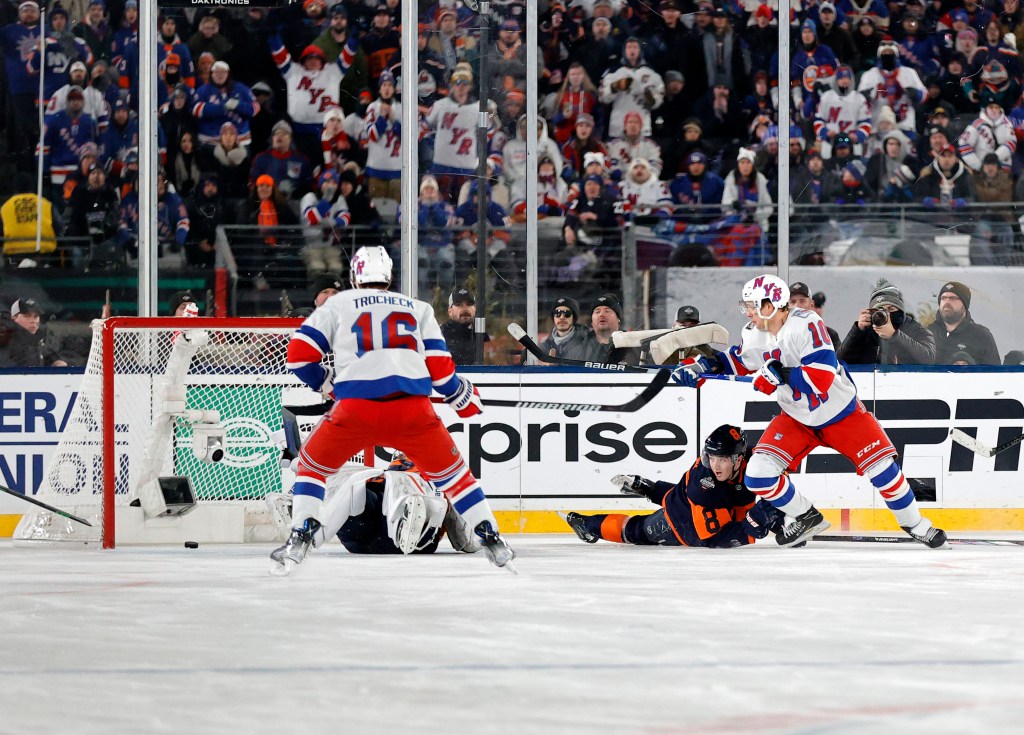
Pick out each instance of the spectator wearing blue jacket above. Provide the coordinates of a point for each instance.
(289, 168)
(697, 188)
(19, 41)
(62, 49)
(223, 100)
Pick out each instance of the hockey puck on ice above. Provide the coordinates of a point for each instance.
(191, 544)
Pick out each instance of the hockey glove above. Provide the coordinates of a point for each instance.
(688, 373)
(763, 518)
(327, 386)
(465, 400)
(634, 485)
(771, 375)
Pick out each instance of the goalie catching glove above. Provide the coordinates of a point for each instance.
(465, 400)
(689, 372)
(771, 375)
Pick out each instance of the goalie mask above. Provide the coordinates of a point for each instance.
(725, 441)
(371, 264)
(765, 288)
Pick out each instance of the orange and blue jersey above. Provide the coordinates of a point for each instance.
(703, 511)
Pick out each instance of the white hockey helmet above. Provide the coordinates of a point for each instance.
(769, 287)
(370, 264)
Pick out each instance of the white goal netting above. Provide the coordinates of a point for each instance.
(176, 397)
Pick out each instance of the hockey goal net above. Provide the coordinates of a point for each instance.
(196, 398)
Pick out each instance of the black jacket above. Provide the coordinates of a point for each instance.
(911, 345)
(970, 337)
(25, 349)
(461, 341)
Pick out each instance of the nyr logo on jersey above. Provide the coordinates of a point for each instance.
(316, 94)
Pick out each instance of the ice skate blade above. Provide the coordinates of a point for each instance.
(281, 570)
(807, 535)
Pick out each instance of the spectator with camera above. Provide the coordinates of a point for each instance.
(885, 334)
(26, 344)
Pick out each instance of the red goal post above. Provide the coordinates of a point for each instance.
(159, 397)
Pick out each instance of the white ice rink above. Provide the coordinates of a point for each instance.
(834, 638)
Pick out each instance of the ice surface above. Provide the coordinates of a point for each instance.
(837, 637)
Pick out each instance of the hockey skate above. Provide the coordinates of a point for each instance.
(412, 523)
(495, 546)
(285, 558)
(804, 526)
(578, 523)
(932, 537)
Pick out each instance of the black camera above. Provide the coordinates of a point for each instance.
(879, 317)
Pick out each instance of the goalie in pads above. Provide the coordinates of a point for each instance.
(393, 512)
(389, 355)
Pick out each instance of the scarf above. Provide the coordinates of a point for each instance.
(267, 217)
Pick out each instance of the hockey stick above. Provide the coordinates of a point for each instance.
(41, 504)
(984, 450)
(634, 404)
(534, 349)
(908, 540)
(700, 334)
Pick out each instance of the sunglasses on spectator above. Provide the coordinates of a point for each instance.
(563, 312)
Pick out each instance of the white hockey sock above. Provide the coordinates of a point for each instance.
(303, 507)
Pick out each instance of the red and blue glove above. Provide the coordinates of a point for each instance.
(689, 371)
(771, 375)
(465, 400)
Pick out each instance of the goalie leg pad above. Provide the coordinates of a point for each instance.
(414, 510)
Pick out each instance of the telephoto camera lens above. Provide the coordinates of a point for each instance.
(879, 317)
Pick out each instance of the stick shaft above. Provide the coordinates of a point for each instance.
(41, 504)
(633, 404)
(908, 540)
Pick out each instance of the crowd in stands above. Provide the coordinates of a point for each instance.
(884, 332)
(287, 121)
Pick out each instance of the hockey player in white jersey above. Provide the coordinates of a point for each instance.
(991, 132)
(389, 355)
(842, 110)
(791, 356)
(890, 83)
